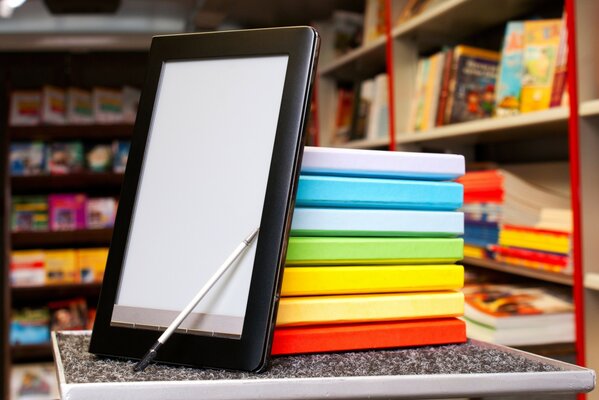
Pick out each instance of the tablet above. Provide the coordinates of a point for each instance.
(215, 154)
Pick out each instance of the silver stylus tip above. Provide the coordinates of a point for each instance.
(251, 237)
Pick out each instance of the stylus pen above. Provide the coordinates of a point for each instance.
(151, 354)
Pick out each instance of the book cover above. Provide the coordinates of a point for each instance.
(67, 211)
(376, 223)
(329, 280)
(33, 382)
(64, 158)
(381, 164)
(27, 268)
(314, 310)
(560, 76)
(107, 105)
(30, 326)
(444, 89)
(79, 108)
(53, 105)
(91, 263)
(372, 251)
(535, 239)
(367, 336)
(25, 108)
(541, 42)
(431, 90)
(29, 213)
(378, 123)
(509, 80)
(98, 157)
(130, 104)
(68, 315)
(473, 94)
(27, 158)
(343, 115)
(100, 212)
(61, 266)
(419, 95)
(375, 21)
(348, 192)
(120, 154)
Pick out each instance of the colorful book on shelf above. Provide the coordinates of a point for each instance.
(527, 336)
(53, 105)
(25, 108)
(367, 336)
(475, 251)
(381, 164)
(30, 326)
(313, 310)
(432, 86)
(98, 157)
(444, 88)
(411, 9)
(66, 211)
(328, 280)
(535, 239)
(344, 192)
(378, 223)
(34, 381)
(27, 158)
(80, 109)
(100, 212)
(560, 75)
(61, 266)
(108, 105)
(509, 80)
(375, 21)
(92, 263)
(65, 158)
(120, 155)
(419, 95)
(541, 43)
(516, 306)
(27, 268)
(472, 85)
(131, 97)
(378, 121)
(29, 213)
(373, 251)
(66, 315)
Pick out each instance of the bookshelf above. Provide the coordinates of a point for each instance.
(75, 181)
(81, 237)
(568, 133)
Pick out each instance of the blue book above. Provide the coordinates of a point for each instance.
(381, 164)
(344, 192)
(376, 223)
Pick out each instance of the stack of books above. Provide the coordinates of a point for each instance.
(517, 222)
(370, 261)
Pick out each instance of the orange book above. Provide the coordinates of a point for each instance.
(366, 336)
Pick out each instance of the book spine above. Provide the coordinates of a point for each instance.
(561, 67)
(444, 93)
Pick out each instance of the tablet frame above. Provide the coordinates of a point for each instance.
(251, 352)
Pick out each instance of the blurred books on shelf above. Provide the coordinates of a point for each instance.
(34, 381)
(518, 315)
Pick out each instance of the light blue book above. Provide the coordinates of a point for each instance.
(381, 164)
(344, 192)
(381, 223)
(509, 80)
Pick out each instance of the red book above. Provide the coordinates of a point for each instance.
(367, 336)
(532, 255)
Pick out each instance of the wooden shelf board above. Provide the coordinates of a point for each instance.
(366, 144)
(453, 20)
(591, 280)
(589, 108)
(77, 181)
(34, 352)
(526, 125)
(91, 237)
(363, 62)
(522, 271)
(42, 292)
(71, 132)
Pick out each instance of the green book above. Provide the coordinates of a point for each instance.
(373, 251)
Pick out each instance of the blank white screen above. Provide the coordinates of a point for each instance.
(201, 191)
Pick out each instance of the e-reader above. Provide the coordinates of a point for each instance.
(215, 154)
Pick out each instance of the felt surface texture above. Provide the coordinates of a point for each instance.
(83, 367)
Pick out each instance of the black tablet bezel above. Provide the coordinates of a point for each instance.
(251, 351)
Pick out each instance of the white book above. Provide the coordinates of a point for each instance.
(379, 163)
(378, 127)
(361, 222)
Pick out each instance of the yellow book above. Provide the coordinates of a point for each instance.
(474, 251)
(295, 311)
(61, 266)
(541, 42)
(535, 241)
(327, 280)
(91, 263)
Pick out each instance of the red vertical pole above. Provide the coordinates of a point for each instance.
(389, 55)
(573, 141)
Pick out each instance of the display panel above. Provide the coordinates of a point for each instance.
(203, 181)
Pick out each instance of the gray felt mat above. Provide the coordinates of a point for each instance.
(468, 358)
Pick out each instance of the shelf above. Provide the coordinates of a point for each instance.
(33, 352)
(363, 62)
(529, 125)
(366, 144)
(454, 20)
(522, 271)
(42, 292)
(71, 132)
(76, 181)
(591, 280)
(589, 108)
(88, 237)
